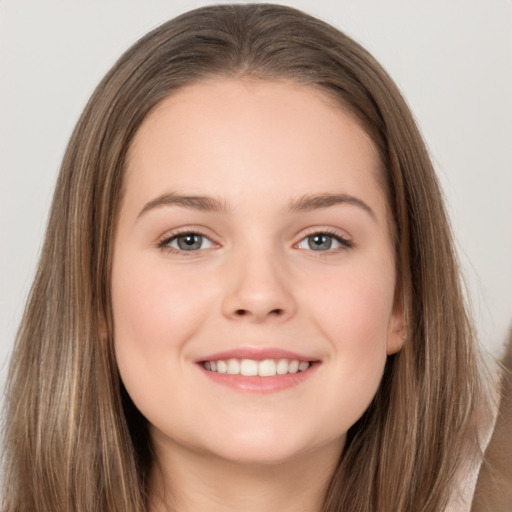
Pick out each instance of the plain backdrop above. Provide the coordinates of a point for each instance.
(451, 59)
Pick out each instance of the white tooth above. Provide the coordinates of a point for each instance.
(248, 367)
(222, 367)
(207, 365)
(213, 366)
(233, 366)
(267, 368)
(282, 367)
(304, 365)
(293, 367)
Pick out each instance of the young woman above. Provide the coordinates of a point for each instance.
(248, 297)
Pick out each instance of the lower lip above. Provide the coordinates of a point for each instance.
(257, 384)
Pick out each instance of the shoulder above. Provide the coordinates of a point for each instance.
(465, 481)
(485, 483)
(494, 484)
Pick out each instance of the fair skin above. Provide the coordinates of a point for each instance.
(284, 253)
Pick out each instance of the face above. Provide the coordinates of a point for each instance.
(253, 275)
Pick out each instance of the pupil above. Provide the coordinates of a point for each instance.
(189, 242)
(320, 242)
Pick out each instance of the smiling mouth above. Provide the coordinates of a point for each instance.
(256, 368)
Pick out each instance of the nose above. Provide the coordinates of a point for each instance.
(258, 290)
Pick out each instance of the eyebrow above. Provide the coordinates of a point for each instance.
(311, 202)
(199, 202)
(306, 203)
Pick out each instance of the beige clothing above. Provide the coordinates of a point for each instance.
(462, 496)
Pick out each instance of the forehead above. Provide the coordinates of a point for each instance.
(251, 134)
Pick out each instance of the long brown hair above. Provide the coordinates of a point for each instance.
(73, 439)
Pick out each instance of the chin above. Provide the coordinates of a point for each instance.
(270, 447)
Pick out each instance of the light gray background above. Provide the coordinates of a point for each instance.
(451, 58)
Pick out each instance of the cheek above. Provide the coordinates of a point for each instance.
(155, 313)
(353, 310)
(355, 307)
(152, 305)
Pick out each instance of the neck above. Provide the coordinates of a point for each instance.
(184, 481)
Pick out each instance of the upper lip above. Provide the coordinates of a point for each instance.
(257, 354)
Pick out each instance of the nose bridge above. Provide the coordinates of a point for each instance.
(259, 287)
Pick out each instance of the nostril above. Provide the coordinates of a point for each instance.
(275, 312)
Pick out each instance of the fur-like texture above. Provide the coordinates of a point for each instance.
(493, 491)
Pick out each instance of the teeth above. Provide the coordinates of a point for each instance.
(304, 365)
(233, 366)
(282, 367)
(293, 367)
(267, 368)
(222, 367)
(248, 367)
(251, 368)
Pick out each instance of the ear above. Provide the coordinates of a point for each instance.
(396, 330)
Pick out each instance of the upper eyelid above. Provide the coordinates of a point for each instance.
(173, 233)
(334, 232)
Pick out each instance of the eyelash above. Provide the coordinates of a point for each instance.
(164, 243)
(345, 243)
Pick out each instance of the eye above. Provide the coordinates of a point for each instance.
(187, 242)
(323, 242)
